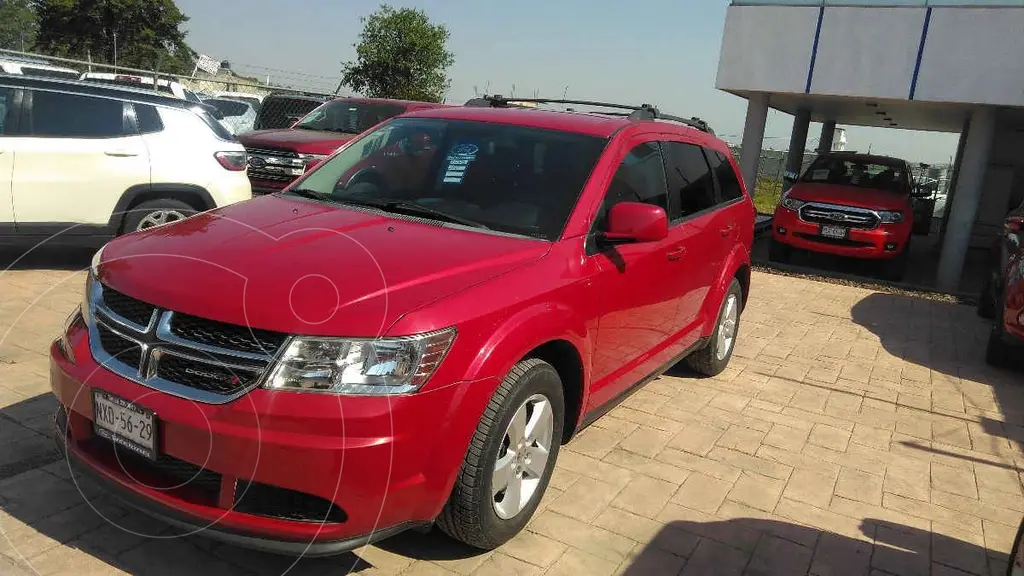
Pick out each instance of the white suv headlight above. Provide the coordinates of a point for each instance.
(360, 367)
(890, 217)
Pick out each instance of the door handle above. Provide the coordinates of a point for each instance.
(120, 153)
(727, 231)
(676, 253)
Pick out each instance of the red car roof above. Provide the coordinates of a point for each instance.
(590, 124)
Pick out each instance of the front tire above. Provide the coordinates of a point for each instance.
(713, 358)
(510, 458)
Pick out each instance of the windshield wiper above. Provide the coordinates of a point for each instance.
(308, 193)
(414, 209)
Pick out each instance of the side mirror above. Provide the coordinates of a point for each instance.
(634, 222)
(292, 120)
(1015, 224)
(788, 179)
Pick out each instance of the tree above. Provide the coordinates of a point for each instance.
(140, 33)
(18, 25)
(401, 55)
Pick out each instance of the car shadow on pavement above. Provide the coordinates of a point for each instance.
(948, 340)
(775, 548)
(46, 257)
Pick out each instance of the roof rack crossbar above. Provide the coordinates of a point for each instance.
(642, 112)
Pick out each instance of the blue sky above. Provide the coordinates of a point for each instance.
(663, 52)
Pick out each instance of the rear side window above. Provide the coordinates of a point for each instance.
(691, 186)
(148, 119)
(228, 107)
(728, 184)
(214, 125)
(60, 115)
(640, 178)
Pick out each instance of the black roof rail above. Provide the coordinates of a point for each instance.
(642, 112)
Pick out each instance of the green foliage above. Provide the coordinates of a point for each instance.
(18, 25)
(401, 55)
(767, 193)
(148, 32)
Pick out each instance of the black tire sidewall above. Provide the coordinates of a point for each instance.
(136, 214)
(719, 365)
(539, 379)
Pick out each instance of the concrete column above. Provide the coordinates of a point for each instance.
(753, 138)
(828, 132)
(798, 141)
(970, 180)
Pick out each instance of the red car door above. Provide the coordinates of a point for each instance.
(638, 285)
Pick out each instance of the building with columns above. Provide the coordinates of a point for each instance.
(938, 65)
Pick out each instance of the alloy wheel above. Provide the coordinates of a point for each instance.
(523, 457)
(159, 218)
(727, 327)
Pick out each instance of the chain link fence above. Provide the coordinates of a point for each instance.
(771, 167)
(251, 105)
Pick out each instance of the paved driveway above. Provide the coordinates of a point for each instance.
(853, 431)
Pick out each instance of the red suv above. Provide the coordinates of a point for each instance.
(1002, 299)
(409, 332)
(849, 204)
(278, 157)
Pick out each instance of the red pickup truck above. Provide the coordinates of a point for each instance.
(278, 157)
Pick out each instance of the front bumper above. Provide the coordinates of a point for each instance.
(352, 469)
(885, 242)
(263, 187)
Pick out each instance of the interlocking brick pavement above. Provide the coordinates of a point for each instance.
(854, 433)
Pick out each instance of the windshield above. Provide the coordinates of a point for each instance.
(507, 178)
(857, 173)
(228, 107)
(348, 116)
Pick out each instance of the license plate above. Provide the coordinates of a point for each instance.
(124, 423)
(837, 232)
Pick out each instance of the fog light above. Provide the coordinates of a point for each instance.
(890, 247)
(781, 230)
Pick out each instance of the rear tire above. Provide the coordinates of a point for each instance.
(713, 358)
(154, 213)
(480, 512)
(779, 252)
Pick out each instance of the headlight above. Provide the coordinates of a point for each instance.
(62, 341)
(311, 160)
(891, 217)
(94, 267)
(791, 203)
(360, 367)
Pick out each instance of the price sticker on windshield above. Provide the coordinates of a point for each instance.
(458, 161)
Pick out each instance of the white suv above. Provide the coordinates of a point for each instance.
(170, 87)
(80, 160)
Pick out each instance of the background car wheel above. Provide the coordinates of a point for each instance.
(779, 252)
(156, 213)
(987, 301)
(510, 458)
(713, 358)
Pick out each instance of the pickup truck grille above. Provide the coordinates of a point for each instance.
(274, 165)
(848, 216)
(196, 358)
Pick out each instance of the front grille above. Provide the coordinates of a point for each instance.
(834, 241)
(205, 376)
(127, 307)
(847, 216)
(272, 152)
(200, 359)
(274, 165)
(229, 336)
(265, 500)
(121, 348)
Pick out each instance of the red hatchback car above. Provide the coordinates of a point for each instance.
(408, 333)
(851, 205)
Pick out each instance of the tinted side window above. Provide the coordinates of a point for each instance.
(74, 116)
(7, 111)
(640, 178)
(728, 183)
(148, 119)
(692, 188)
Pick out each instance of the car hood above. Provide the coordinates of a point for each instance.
(849, 196)
(303, 267)
(304, 141)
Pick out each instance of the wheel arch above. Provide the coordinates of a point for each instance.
(567, 361)
(191, 194)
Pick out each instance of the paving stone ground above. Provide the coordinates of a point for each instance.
(854, 433)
